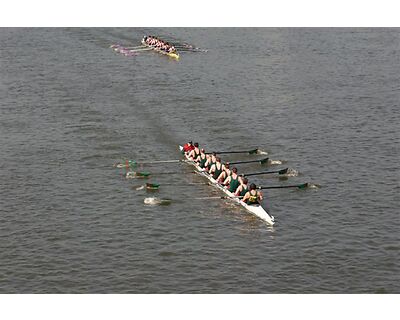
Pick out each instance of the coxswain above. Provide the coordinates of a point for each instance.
(195, 152)
(252, 196)
(188, 147)
(232, 182)
(243, 188)
(216, 168)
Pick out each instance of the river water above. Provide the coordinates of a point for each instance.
(324, 101)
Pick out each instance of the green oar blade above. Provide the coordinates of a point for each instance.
(132, 163)
(142, 174)
(253, 151)
(152, 186)
(303, 186)
(283, 171)
(263, 161)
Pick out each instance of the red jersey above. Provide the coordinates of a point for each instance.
(187, 147)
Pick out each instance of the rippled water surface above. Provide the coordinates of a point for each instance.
(325, 101)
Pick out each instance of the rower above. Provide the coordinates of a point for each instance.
(216, 168)
(232, 182)
(252, 196)
(201, 159)
(195, 152)
(226, 172)
(243, 188)
(210, 161)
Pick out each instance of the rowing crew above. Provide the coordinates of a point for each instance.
(221, 172)
(159, 44)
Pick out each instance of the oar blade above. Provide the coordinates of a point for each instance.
(264, 161)
(152, 186)
(303, 186)
(283, 171)
(298, 186)
(142, 174)
(254, 151)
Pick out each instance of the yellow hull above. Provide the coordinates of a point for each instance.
(171, 55)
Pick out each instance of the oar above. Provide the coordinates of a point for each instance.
(133, 163)
(133, 50)
(187, 46)
(216, 197)
(120, 47)
(283, 171)
(252, 151)
(130, 163)
(261, 161)
(138, 174)
(190, 50)
(137, 47)
(152, 186)
(161, 161)
(300, 186)
(155, 186)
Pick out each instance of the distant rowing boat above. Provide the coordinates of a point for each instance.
(173, 55)
(257, 210)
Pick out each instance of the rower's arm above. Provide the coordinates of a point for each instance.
(212, 169)
(246, 196)
(238, 190)
(227, 180)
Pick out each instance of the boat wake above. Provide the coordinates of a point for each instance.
(275, 162)
(130, 175)
(153, 201)
(292, 173)
(136, 175)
